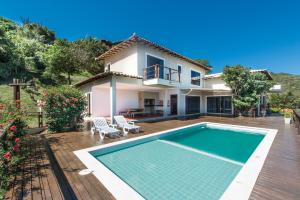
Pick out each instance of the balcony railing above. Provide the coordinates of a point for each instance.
(161, 72)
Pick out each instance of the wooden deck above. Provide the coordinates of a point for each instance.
(279, 178)
(34, 178)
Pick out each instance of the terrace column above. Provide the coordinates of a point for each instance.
(181, 103)
(113, 101)
(165, 105)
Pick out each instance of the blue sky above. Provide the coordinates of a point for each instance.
(254, 33)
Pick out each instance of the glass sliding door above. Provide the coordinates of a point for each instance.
(192, 104)
(227, 105)
(219, 104)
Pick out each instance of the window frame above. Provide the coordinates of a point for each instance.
(107, 67)
(200, 75)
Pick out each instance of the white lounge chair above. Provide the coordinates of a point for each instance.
(126, 126)
(100, 124)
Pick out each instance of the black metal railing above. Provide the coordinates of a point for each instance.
(161, 72)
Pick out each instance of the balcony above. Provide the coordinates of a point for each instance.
(161, 75)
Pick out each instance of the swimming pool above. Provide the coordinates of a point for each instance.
(200, 161)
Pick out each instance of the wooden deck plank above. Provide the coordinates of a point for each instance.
(35, 178)
(89, 187)
(36, 187)
(43, 175)
(279, 178)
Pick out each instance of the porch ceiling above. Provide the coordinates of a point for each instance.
(128, 86)
(205, 91)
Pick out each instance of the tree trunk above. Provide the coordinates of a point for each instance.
(69, 79)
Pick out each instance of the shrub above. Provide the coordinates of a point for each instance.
(64, 106)
(275, 110)
(12, 134)
(288, 113)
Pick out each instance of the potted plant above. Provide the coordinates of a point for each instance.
(288, 113)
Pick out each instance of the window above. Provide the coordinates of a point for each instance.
(107, 67)
(88, 96)
(219, 104)
(179, 69)
(151, 62)
(195, 78)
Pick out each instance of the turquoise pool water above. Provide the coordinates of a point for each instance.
(192, 163)
(234, 145)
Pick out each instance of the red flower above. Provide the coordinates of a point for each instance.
(7, 156)
(16, 148)
(13, 128)
(17, 140)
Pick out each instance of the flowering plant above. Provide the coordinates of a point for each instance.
(288, 113)
(64, 106)
(11, 139)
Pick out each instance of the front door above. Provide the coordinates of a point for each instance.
(174, 104)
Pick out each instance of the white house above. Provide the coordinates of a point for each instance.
(154, 80)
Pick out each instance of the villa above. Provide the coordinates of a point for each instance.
(144, 78)
(202, 157)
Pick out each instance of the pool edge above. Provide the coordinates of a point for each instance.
(240, 188)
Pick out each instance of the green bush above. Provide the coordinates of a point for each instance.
(288, 115)
(275, 110)
(64, 107)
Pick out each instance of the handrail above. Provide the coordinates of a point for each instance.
(297, 119)
(156, 72)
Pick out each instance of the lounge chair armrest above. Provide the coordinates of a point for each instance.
(113, 125)
(131, 122)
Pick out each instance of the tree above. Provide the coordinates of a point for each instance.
(202, 61)
(246, 86)
(86, 50)
(283, 100)
(22, 47)
(61, 60)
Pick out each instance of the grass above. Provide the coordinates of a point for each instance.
(6, 94)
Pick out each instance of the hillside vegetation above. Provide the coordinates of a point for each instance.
(31, 52)
(289, 82)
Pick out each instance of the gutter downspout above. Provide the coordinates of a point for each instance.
(189, 92)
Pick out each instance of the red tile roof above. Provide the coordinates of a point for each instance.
(103, 75)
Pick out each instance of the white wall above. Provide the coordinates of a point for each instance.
(169, 61)
(216, 83)
(133, 60)
(125, 61)
(101, 101)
